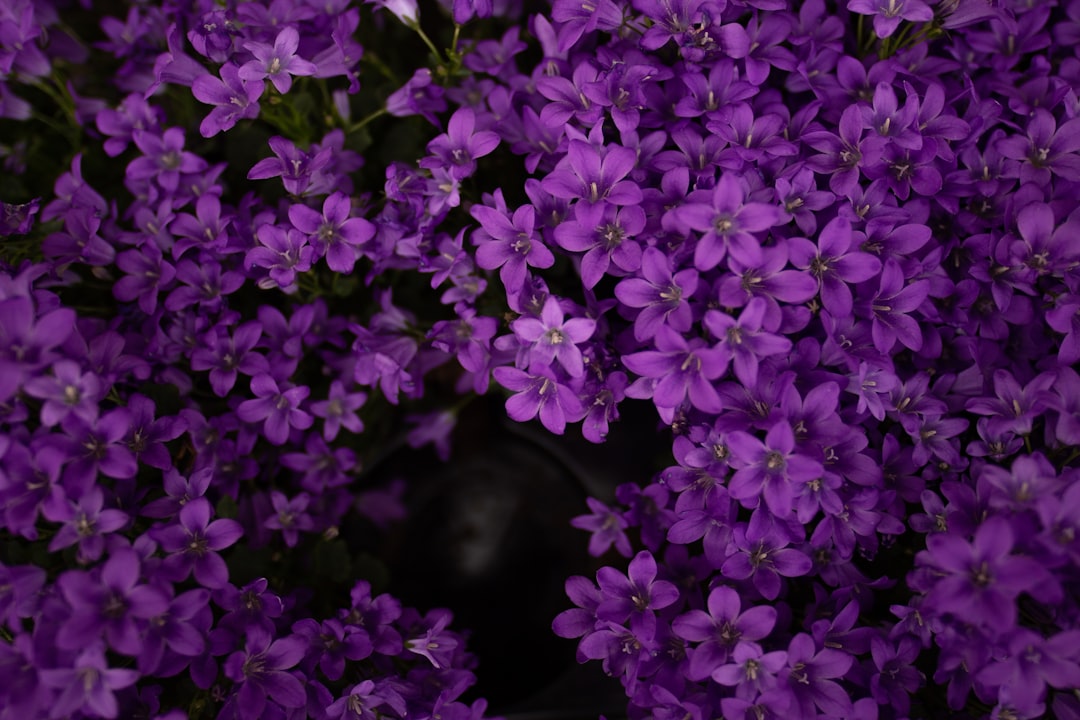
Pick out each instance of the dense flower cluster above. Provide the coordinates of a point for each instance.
(833, 243)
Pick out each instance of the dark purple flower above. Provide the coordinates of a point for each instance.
(295, 167)
(980, 579)
(87, 686)
(194, 541)
(606, 234)
(113, 604)
(809, 677)
(607, 527)
(769, 469)
(284, 252)
(339, 410)
(760, 552)
(509, 244)
(593, 177)
(278, 409)
(260, 674)
(290, 516)
(164, 158)
(746, 340)
(835, 262)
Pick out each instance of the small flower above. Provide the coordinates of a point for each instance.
(260, 674)
(194, 541)
(88, 686)
(550, 337)
(539, 393)
(278, 62)
(233, 97)
(278, 409)
(889, 13)
(290, 516)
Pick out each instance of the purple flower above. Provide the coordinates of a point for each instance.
(164, 158)
(407, 11)
(890, 306)
(294, 166)
(234, 99)
(147, 272)
(337, 236)
(459, 147)
(193, 542)
(87, 686)
(746, 340)
(727, 222)
(550, 337)
(606, 234)
(437, 644)
(86, 522)
(538, 392)
(114, 605)
(339, 410)
(751, 672)
(721, 630)
(1047, 149)
(769, 469)
(834, 262)
(592, 176)
(760, 552)
(509, 244)
(634, 596)
(290, 516)
(889, 13)
(69, 391)
(980, 579)
(660, 293)
(226, 356)
(607, 527)
(284, 251)
(279, 61)
(260, 674)
(682, 371)
(278, 409)
(808, 678)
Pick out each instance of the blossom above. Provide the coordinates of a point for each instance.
(260, 673)
(193, 542)
(276, 407)
(727, 222)
(279, 61)
(233, 96)
(553, 338)
(683, 371)
(981, 578)
(721, 630)
(337, 236)
(538, 392)
(769, 469)
(88, 686)
(458, 148)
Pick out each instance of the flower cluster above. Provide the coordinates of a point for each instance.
(832, 243)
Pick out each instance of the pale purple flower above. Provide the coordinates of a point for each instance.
(279, 61)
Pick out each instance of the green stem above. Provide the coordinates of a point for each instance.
(427, 41)
(364, 121)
